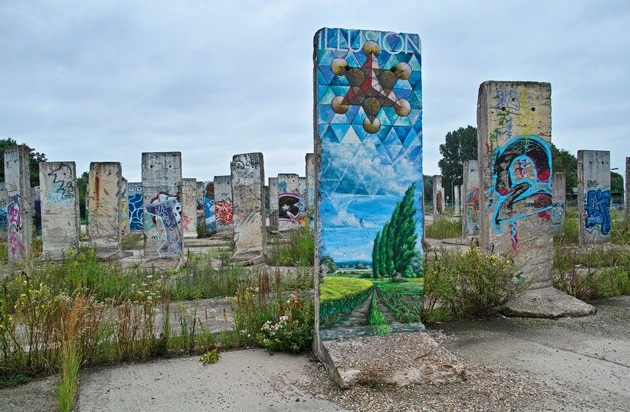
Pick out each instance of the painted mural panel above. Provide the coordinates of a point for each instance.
(368, 145)
(134, 204)
(162, 220)
(594, 185)
(516, 174)
(19, 205)
(209, 207)
(291, 203)
(470, 217)
(223, 204)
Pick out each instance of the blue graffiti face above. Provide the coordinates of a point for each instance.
(597, 210)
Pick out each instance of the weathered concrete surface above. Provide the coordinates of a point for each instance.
(547, 303)
(396, 359)
(438, 197)
(124, 208)
(559, 199)
(514, 139)
(593, 196)
(19, 213)
(60, 207)
(273, 204)
(189, 207)
(4, 198)
(223, 205)
(162, 220)
(470, 198)
(457, 205)
(585, 359)
(104, 209)
(248, 202)
(201, 209)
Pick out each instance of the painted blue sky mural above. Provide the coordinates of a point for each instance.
(369, 102)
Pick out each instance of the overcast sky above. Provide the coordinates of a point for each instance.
(105, 80)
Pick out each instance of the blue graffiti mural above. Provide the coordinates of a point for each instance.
(522, 182)
(134, 203)
(597, 210)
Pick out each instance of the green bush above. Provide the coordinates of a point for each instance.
(472, 284)
(298, 250)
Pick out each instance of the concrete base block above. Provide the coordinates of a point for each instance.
(396, 359)
(547, 302)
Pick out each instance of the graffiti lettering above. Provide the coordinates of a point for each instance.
(291, 207)
(167, 209)
(62, 185)
(597, 210)
(223, 212)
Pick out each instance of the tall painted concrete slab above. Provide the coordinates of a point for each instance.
(470, 217)
(19, 213)
(162, 220)
(201, 209)
(136, 209)
(4, 220)
(273, 204)
(594, 188)
(438, 197)
(104, 209)
(368, 179)
(514, 147)
(248, 203)
(559, 199)
(209, 209)
(223, 205)
(189, 207)
(60, 207)
(290, 206)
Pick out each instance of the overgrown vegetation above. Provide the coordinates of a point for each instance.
(297, 250)
(444, 227)
(471, 284)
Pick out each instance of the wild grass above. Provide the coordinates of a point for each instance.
(444, 227)
(297, 250)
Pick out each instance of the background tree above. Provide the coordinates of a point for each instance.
(427, 184)
(82, 182)
(34, 159)
(565, 162)
(459, 145)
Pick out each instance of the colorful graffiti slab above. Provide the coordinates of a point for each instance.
(223, 204)
(515, 172)
(134, 204)
(63, 186)
(594, 184)
(14, 213)
(168, 211)
(209, 207)
(368, 146)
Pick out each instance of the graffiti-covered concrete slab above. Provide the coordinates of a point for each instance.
(104, 209)
(60, 207)
(369, 214)
(209, 207)
(438, 197)
(4, 220)
(248, 203)
(559, 199)
(223, 205)
(134, 203)
(162, 220)
(594, 190)
(291, 206)
(514, 149)
(470, 217)
(19, 214)
(189, 207)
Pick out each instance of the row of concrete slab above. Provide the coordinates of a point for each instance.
(164, 207)
(594, 197)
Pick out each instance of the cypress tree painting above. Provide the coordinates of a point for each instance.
(368, 146)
